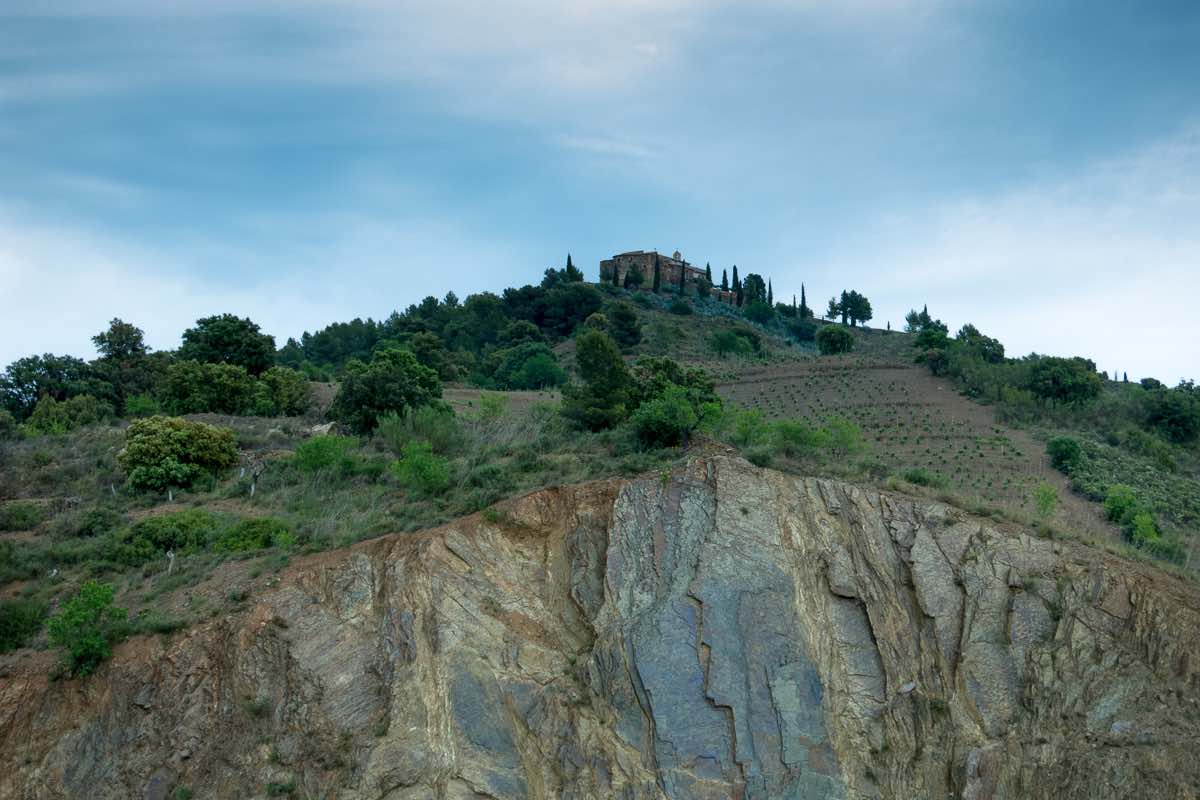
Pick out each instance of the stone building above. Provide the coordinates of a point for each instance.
(670, 267)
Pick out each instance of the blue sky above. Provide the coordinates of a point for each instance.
(1031, 167)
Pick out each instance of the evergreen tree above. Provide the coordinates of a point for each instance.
(805, 311)
(682, 277)
(844, 306)
(1125, 377)
(736, 282)
(770, 294)
(708, 272)
(833, 310)
(657, 274)
(793, 302)
(616, 276)
(724, 280)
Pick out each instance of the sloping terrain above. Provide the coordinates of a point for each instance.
(719, 631)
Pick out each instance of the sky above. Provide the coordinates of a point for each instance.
(1030, 167)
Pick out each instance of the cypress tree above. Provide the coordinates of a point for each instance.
(724, 280)
(616, 276)
(682, 277)
(708, 272)
(1125, 377)
(657, 275)
(770, 294)
(736, 282)
(844, 307)
(805, 311)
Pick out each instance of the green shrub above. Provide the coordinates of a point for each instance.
(8, 425)
(758, 312)
(88, 523)
(194, 387)
(52, 417)
(1064, 453)
(327, 452)
(681, 307)
(142, 405)
(728, 342)
(255, 534)
(803, 329)
(666, 420)
(87, 626)
(420, 470)
(844, 438)
(20, 620)
(20, 516)
(833, 339)
(919, 476)
(435, 424)
(151, 537)
(491, 476)
(1045, 498)
(603, 399)
(794, 438)
(289, 390)
(393, 381)
(1120, 503)
(165, 452)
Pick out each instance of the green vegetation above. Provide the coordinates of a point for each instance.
(87, 626)
(164, 452)
(832, 339)
(20, 620)
(602, 400)
(20, 516)
(393, 381)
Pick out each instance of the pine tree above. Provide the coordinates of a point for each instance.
(770, 294)
(708, 272)
(844, 306)
(657, 274)
(736, 282)
(570, 273)
(805, 311)
(724, 280)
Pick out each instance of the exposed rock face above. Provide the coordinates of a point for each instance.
(727, 632)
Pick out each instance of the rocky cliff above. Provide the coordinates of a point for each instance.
(720, 632)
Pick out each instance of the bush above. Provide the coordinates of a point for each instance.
(435, 424)
(844, 437)
(288, 390)
(1065, 380)
(87, 627)
(194, 387)
(20, 516)
(86, 524)
(527, 366)
(392, 381)
(1045, 498)
(255, 534)
(165, 452)
(1064, 453)
(833, 339)
(20, 620)
(681, 307)
(150, 538)
(758, 312)
(326, 452)
(420, 471)
(728, 342)
(919, 476)
(1120, 504)
(666, 420)
(794, 438)
(52, 417)
(803, 329)
(142, 405)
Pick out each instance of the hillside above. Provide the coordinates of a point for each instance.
(361, 439)
(720, 631)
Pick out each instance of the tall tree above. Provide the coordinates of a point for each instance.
(736, 282)
(229, 339)
(122, 341)
(770, 294)
(657, 274)
(844, 306)
(754, 289)
(571, 273)
(682, 277)
(708, 272)
(616, 275)
(805, 311)
(833, 310)
(600, 402)
(724, 280)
